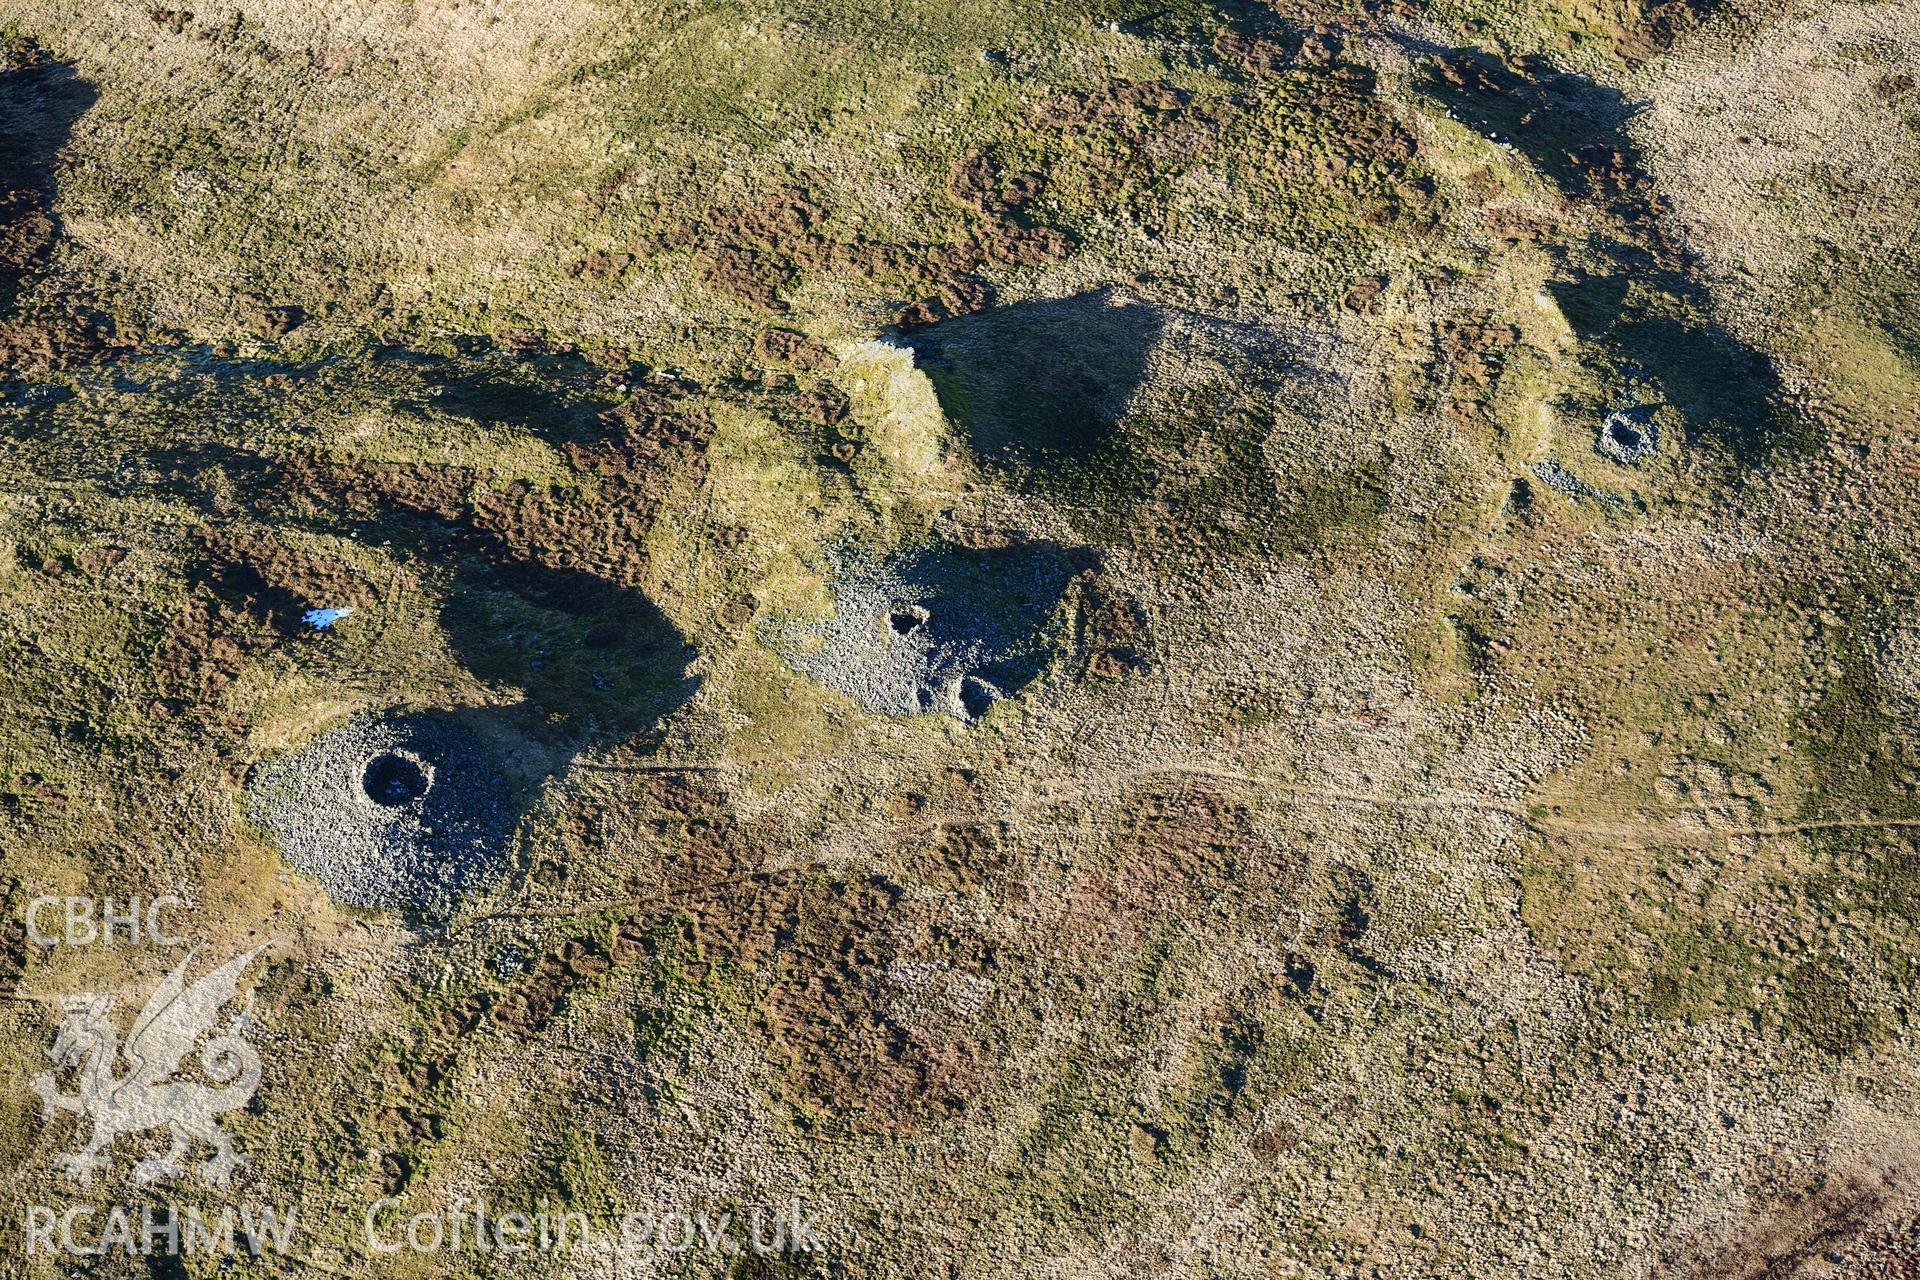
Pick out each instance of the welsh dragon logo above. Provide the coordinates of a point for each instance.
(146, 1092)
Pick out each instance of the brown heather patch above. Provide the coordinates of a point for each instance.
(1170, 853)
(13, 935)
(40, 100)
(48, 340)
(964, 855)
(205, 648)
(1264, 55)
(753, 253)
(828, 954)
(1654, 28)
(650, 439)
(1473, 351)
(1858, 1223)
(855, 1037)
(797, 349)
(248, 590)
(1113, 630)
(869, 999)
(277, 581)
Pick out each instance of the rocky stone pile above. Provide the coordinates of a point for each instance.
(1628, 436)
(408, 812)
(932, 630)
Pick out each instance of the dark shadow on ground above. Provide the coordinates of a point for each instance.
(1039, 388)
(592, 654)
(40, 100)
(1633, 294)
(581, 649)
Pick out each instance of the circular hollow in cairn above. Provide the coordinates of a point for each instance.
(393, 779)
(932, 629)
(1628, 436)
(409, 812)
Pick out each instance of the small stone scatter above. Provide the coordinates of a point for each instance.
(508, 962)
(1555, 476)
(1628, 436)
